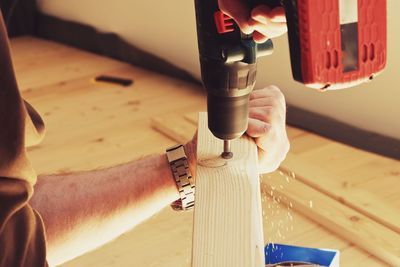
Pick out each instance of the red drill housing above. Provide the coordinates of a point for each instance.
(336, 44)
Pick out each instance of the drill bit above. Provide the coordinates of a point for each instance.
(227, 154)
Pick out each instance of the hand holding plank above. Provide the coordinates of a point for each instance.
(267, 125)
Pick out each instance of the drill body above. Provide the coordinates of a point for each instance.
(228, 69)
(333, 44)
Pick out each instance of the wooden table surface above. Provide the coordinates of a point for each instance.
(92, 125)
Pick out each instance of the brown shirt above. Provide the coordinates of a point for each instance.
(22, 238)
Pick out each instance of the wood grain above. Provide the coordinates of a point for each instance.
(329, 184)
(174, 127)
(340, 219)
(227, 225)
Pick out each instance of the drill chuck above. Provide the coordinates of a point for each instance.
(227, 116)
(228, 88)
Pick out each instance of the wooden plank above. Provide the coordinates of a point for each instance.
(353, 257)
(306, 142)
(331, 185)
(192, 117)
(351, 225)
(227, 217)
(37, 65)
(174, 127)
(377, 169)
(336, 157)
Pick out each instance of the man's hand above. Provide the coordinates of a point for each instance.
(262, 21)
(267, 125)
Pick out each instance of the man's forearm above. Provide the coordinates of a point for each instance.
(85, 210)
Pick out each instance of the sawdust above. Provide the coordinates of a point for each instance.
(278, 218)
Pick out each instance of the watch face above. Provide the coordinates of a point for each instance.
(175, 153)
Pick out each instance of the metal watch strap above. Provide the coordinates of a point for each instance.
(180, 169)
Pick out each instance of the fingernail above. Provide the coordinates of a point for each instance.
(247, 29)
(278, 20)
(260, 18)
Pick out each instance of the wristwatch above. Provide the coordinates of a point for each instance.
(180, 169)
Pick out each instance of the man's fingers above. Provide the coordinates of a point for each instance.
(268, 107)
(261, 113)
(278, 14)
(267, 23)
(261, 102)
(264, 14)
(259, 37)
(264, 22)
(261, 14)
(239, 11)
(270, 30)
(265, 92)
(257, 128)
(244, 25)
(268, 97)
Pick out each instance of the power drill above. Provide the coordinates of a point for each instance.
(333, 44)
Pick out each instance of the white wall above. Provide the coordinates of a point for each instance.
(167, 29)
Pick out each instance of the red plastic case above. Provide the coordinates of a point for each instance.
(328, 52)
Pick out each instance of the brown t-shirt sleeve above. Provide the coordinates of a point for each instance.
(22, 235)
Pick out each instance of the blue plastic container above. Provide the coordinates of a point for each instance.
(278, 253)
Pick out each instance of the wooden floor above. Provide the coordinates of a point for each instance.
(92, 125)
